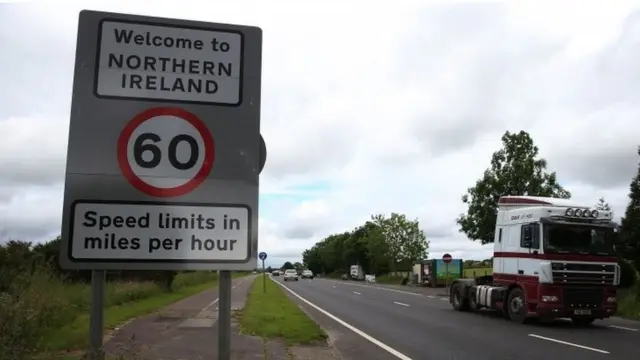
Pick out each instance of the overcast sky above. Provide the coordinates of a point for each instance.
(366, 107)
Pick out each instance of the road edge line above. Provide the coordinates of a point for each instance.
(368, 337)
(569, 344)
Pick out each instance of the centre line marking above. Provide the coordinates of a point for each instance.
(399, 303)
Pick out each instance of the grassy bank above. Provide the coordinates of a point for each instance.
(274, 315)
(475, 272)
(44, 313)
(389, 279)
(629, 303)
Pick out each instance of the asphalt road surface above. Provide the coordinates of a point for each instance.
(419, 324)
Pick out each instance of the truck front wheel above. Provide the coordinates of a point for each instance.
(516, 306)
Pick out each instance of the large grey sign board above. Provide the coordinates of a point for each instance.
(164, 145)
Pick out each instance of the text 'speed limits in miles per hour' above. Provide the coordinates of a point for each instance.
(145, 61)
(160, 232)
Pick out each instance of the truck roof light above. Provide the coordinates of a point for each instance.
(594, 213)
(569, 212)
(578, 212)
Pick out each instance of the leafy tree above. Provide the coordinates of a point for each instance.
(298, 266)
(602, 205)
(630, 223)
(369, 246)
(515, 169)
(405, 241)
(287, 265)
(269, 269)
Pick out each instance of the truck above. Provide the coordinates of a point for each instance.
(356, 272)
(553, 258)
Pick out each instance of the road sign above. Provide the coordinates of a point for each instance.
(446, 258)
(165, 152)
(262, 256)
(164, 147)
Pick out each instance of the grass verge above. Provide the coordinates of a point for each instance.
(475, 272)
(76, 334)
(629, 303)
(272, 314)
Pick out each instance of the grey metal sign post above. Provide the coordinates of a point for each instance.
(164, 148)
(263, 256)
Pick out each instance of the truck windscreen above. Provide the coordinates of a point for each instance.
(569, 238)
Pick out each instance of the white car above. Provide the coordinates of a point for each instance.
(307, 274)
(291, 274)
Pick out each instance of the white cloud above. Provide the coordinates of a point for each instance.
(395, 108)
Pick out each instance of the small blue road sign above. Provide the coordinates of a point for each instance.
(262, 255)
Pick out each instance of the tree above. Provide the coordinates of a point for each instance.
(602, 205)
(515, 169)
(298, 266)
(287, 265)
(630, 223)
(269, 269)
(368, 246)
(405, 241)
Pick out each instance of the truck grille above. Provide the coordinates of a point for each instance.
(583, 274)
(582, 298)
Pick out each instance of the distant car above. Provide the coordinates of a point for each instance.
(344, 277)
(290, 275)
(275, 273)
(307, 274)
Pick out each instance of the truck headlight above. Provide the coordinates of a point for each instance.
(549, 298)
(612, 299)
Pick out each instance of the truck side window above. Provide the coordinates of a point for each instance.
(535, 235)
(525, 232)
(532, 232)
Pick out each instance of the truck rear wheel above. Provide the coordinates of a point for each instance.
(457, 298)
(516, 306)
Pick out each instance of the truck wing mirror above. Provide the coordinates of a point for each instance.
(528, 243)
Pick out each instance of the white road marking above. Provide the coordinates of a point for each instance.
(622, 328)
(444, 299)
(210, 304)
(431, 297)
(399, 303)
(357, 293)
(569, 344)
(380, 288)
(216, 300)
(370, 338)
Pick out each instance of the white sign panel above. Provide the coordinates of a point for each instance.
(144, 231)
(173, 63)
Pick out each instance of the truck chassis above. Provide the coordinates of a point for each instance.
(476, 294)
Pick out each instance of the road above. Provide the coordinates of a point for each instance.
(419, 324)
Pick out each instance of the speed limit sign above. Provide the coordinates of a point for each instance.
(165, 152)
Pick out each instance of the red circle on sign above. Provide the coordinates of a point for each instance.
(136, 181)
(446, 258)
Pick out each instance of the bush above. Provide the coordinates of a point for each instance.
(628, 274)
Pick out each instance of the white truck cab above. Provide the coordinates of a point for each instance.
(552, 258)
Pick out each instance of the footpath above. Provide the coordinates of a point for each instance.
(186, 330)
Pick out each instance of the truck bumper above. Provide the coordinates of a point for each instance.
(552, 311)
